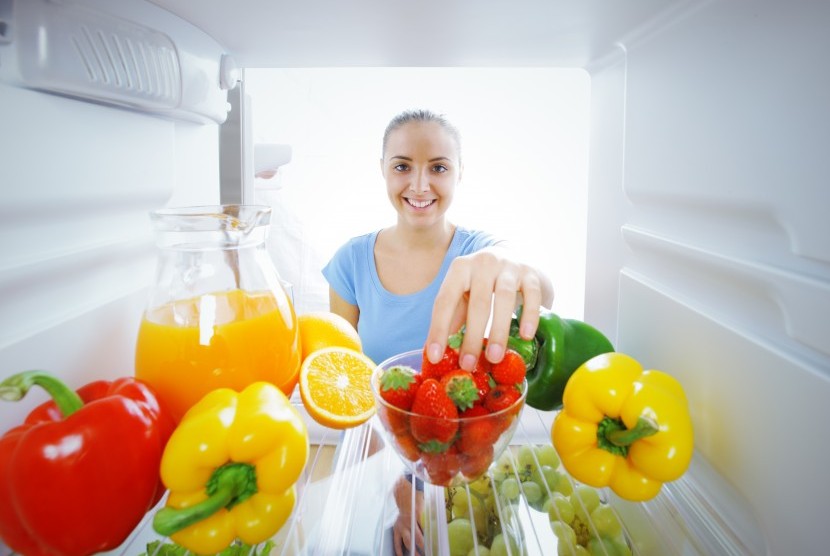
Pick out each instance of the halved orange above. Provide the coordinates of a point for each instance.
(335, 385)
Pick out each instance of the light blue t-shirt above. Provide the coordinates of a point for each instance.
(390, 324)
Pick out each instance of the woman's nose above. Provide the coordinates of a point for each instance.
(420, 182)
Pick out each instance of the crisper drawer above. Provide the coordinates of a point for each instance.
(345, 506)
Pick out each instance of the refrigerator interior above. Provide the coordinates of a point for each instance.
(708, 249)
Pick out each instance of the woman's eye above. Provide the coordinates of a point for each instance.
(401, 168)
(439, 168)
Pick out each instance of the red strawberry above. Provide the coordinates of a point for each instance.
(398, 385)
(448, 362)
(479, 433)
(476, 465)
(435, 414)
(484, 383)
(461, 388)
(510, 370)
(483, 365)
(442, 467)
(408, 446)
(395, 421)
(501, 397)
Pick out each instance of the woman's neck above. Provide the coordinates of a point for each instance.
(419, 238)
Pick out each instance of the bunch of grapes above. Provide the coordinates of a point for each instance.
(479, 524)
(483, 517)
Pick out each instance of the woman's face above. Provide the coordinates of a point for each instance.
(421, 166)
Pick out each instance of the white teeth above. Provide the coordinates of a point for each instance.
(420, 204)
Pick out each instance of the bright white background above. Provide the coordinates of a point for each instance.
(524, 148)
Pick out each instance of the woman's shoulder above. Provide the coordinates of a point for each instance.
(360, 240)
(479, 238)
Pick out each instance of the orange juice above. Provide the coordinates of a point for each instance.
(228, 339)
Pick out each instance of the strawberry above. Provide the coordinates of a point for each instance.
(435, 414)
(484, 383)
(461, 388)
(483, 365)
(398, 385)
(510, 370)
(442, 467)
(448, 362)
(396, 422)
(501, 397)
(407, 446)
(477, 435)
(475, 465)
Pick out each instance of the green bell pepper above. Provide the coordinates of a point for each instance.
(559, 347)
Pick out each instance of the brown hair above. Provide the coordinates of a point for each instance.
(421, 115)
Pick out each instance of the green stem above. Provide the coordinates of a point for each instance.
(229, 485)
(613, 436)
(17, 386)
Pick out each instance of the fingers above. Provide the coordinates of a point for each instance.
(479, 289)
(397, 540)
(449, 309)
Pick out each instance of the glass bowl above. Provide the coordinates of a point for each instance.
(476, 443)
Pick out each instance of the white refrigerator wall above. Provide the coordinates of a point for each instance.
(79, 181)
(709, 245)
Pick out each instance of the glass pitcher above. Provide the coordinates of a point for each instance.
(217, 315)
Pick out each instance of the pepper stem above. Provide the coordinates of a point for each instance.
(613, 436)
(17, 386)
(229, 485)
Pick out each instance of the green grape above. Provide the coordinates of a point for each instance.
(481, 550)
(563, 532)
(578, 550)
(499, 545)
(459, 502)
(479, 517)
(546, 454)
(490, 502)
(560, 508)
(460, 536)
(532, 492)
(606, 547)
(605, 520)
(510, 489)
(481, 485)
(526, 457)
(546, 477)
(584, 499)
(500, 473)
(564, 485)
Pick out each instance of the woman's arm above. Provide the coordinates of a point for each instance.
(343, 308)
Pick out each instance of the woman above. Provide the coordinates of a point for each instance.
(411, 285)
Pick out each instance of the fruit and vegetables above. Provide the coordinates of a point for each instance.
(623, 427)
(79, 474)
(231, 466)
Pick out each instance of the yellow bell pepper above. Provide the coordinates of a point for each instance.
(230, 467)
(623, 427)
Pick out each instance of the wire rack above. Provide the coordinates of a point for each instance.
(345, 506)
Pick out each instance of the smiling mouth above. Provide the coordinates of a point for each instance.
(420, 204)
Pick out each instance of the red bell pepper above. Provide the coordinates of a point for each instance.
(83, 469)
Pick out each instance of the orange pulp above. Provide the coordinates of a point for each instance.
(230, 339)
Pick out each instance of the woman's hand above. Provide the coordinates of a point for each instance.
(402, 536)
(476, 284)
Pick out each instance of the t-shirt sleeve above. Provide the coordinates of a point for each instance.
(476, 240)
(340, 272)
